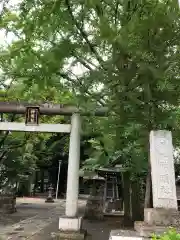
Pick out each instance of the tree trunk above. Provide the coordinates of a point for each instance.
(148, 193)
(42, 181)
(126, 198)
(35, 183)
(137, 209)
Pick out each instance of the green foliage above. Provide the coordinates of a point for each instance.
(122, 54)
(22, 153)
(172, 234)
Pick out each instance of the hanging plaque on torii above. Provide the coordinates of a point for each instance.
(32, 116)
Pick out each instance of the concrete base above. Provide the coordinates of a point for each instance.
(161, 217)
(70, 224)
(158, 221)
(70, 228)
(69, 235)
(49, 200)
(125, 235)
(146, 230)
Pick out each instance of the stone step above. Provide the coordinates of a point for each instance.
(146, 230)
(125, 235)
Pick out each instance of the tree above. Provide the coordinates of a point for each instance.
(129, 55)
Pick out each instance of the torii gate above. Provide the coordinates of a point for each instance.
(32, 111)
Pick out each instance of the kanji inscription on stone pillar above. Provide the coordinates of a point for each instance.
(162, 170)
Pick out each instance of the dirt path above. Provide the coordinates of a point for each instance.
(45, 234)
(97, 230)
(33, 218)
(42, 219)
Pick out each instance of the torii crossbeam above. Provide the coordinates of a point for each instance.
(49, 109)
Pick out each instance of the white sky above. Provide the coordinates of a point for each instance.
(7, 38)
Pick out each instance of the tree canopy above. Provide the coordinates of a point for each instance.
(122, 54)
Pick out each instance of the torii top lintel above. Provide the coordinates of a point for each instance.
(49, 109)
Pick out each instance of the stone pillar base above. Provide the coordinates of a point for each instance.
(49, 200)
(70, 228)
(158, 221)
(70, 224)
(69, 235)
(162, 217)
(125, 235)
(146, 230)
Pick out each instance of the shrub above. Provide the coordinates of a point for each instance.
(172, 234)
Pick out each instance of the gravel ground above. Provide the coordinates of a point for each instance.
(33, 216)
(96, 229)
(22, 213)
(48, 222)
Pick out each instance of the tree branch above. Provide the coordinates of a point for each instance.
(7, 132)
(65, 76)
(116, 12)
(84, 34)
(11, 148)
(82, 62)
(2, 157)
(4, 3)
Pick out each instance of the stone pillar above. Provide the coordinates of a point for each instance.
(162, 170)
(164, 212)
(70, 224)
(73, 168)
